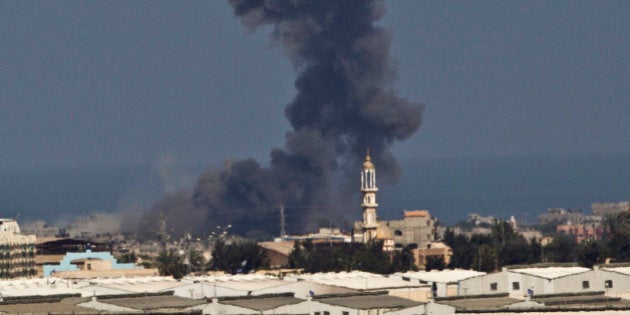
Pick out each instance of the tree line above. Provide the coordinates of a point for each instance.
(504, 246)
(336, 257)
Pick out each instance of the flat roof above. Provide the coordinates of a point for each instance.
(416, 213)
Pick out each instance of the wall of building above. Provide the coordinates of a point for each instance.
(484, 284)
(66, 263)
(620, 281)
(416, 230)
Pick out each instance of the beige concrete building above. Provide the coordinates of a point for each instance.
(416, 229)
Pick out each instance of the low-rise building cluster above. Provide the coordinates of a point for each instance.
(535, 289)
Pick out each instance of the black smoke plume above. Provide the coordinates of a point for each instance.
(345, 103)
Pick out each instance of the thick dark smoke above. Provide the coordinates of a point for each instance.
(344, 103)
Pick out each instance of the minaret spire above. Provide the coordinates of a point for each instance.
(368, 192)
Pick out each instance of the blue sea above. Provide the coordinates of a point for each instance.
(450, 188)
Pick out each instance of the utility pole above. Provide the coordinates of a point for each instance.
(283, 232)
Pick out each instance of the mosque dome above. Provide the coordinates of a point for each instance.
(383, 232)
(368, 163)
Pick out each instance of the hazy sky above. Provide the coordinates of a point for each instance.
(96, 82)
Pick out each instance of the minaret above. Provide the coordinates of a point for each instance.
(368, 192)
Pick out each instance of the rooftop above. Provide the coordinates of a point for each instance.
(551, 272)
(479, 303)
(263, 303)
(417, 213)
(153, 302)
(62, 307)
(357, 280)
(621, 270)
(366, 302)
(443, 276)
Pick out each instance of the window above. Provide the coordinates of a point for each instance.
(516, 286)
(326, 313)
(493, 286)
(608, 284)
(345, 313)
(398, 232)
(318, 313)
(585, 285)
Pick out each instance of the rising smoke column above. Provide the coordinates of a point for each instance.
(344, 103)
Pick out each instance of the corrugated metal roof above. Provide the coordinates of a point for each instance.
(367, 302)
(44, 308)
(479, 303)
(153, 302)
(262, 304)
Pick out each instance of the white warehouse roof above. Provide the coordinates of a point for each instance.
(443, 276)
(551, 272)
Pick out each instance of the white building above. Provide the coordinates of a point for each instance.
(446, 281)
(616, 280)
(540, 280)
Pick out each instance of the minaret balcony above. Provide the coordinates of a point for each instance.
(370, 226)
(369, 205)
(369, 189)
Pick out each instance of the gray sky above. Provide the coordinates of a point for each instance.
(94, 82)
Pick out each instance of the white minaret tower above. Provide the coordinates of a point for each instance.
(368, 192)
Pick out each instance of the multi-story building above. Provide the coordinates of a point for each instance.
(415, 229)
(17, 251)
(610, 208)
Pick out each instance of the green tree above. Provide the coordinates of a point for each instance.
(170, 264)
(534, 254)
(562, 249)
(619, 236)
(127, 258)
(516, 251)
(435, 263)
(371, 258)
(297, 257)
(197, 261)
(590, 253)
(403, 260)
(485, 259)
(463, 251)
(238, 257)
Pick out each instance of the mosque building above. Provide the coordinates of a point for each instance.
(416, 229)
